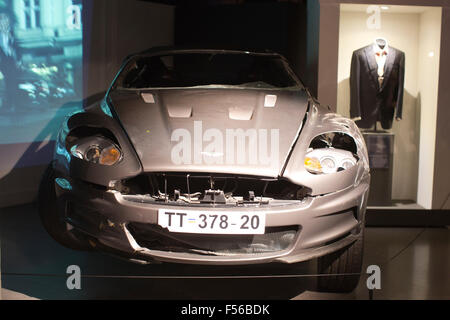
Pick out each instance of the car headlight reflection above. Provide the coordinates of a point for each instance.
(328, 160)
(97, 150)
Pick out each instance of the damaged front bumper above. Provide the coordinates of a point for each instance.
(296, 231)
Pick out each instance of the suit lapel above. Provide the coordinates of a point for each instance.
(389, 65)
(373, 66)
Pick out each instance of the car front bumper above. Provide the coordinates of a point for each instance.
(324, 224)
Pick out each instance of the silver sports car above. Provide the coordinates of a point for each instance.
(212, 157)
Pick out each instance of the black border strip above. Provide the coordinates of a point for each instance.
(407, 218)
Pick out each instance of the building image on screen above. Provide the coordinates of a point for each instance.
(41, 57)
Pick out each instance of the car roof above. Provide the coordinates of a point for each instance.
(197, 49)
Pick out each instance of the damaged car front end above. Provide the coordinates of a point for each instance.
(222, 172)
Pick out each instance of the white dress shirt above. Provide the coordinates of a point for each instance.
(380, 56)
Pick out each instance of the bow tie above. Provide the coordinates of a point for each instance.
(382, 53)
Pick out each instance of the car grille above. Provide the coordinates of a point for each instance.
(154, 237)
(168, 187)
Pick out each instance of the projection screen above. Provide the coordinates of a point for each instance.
(41, 76)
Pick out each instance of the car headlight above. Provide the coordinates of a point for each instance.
(328, 160)
(97, 150)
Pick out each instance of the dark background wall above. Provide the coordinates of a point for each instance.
(254, 25)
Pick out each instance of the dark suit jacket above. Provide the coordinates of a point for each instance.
(368, 100)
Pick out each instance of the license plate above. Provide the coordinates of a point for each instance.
(188, 221)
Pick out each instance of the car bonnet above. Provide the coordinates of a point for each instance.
(214, 130)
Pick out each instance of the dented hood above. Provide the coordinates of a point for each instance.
(231, 131)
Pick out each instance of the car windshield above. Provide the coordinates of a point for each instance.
(207, 69)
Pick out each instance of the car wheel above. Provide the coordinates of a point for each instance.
(347, 261)
(52, 218)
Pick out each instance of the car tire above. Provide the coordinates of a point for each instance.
(347, 260)
(52, 218)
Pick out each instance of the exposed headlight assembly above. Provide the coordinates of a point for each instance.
(328, 160)
(330, 153)
(97, 150)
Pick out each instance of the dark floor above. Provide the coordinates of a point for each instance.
(415, 264)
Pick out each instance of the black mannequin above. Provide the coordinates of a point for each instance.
(381, 43)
